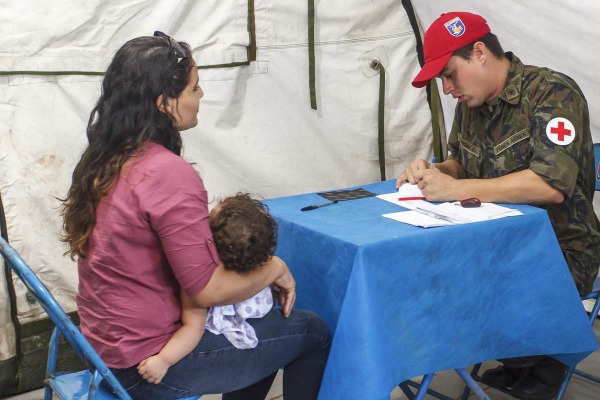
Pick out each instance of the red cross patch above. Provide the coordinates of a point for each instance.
(560, 131)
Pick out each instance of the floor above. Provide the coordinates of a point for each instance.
(446, 382)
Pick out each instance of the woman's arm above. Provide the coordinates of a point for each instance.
(228, 287)
(185, 339)
(179, 216)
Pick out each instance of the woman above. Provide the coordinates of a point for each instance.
(136, 216)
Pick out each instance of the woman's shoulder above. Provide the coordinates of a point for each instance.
(158, 163)
(155, 154)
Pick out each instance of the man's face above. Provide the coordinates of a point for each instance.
(466, 81)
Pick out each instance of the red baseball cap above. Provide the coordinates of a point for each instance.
(448, 33)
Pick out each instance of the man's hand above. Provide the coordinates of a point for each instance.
(153, 369)
(437, 186)
(413, 173)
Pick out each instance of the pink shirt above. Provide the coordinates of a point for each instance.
(151, 238)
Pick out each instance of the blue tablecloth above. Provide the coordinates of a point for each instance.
(402, 301)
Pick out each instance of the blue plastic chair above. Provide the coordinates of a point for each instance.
(84, 385)
(594, 296)
(423, 387)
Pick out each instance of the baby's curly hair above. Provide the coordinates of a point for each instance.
(244, 232)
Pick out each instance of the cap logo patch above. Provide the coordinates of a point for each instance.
(455, 27)
(560, 131)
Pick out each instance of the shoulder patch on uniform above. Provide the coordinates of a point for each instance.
(469, 147)
(511, 92)
(516, 138)
(560, 131)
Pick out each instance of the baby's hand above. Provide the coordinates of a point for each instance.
(153, 369)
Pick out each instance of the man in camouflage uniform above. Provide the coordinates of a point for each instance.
(526, 130)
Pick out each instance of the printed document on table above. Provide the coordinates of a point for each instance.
(407, 196)
(430, 215)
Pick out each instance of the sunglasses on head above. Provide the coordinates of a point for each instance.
(178, 50)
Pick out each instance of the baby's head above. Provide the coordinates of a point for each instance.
(245, 234)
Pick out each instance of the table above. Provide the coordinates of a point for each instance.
(403, 301)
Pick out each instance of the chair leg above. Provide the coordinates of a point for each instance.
(424, 385)
(406, 390)
(565, 383)
(572, 370)
(430, 391)
(472, 384)
(467, 390)
(587, 376)
(47, 393)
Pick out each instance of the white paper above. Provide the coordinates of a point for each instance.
(417, 219)
(404, 192)
(408, 190)
(430, 215)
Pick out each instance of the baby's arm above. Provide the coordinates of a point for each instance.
(185, 339)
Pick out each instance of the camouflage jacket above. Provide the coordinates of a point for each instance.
(540, 122)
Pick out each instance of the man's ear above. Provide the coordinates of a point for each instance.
(479, 51)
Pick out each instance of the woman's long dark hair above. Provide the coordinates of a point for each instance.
(125, 118)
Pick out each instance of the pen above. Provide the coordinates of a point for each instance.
(432, 162)
(411, 198)
(434, 214)
(315, 206)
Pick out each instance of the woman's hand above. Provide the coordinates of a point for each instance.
(153, 368)
(285, 289)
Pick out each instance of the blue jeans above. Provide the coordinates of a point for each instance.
(299, 344)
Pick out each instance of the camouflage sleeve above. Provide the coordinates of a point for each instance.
(558, 129)
(453, 146)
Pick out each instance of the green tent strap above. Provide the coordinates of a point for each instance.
(435, 121)
(376, 65)
(432, 92)
(251, 50)
(311, 53)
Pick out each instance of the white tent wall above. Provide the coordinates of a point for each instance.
(268, 140)
(257, 131)
(560, 34)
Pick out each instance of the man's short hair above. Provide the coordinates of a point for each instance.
(491, 42)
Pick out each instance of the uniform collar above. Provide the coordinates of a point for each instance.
(514, 79)
(512, 88)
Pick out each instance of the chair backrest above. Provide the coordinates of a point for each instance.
(60, 318)
(597, 163)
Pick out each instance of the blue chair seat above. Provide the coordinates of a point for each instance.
(75, 385)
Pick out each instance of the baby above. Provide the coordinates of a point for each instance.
(245, 237)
